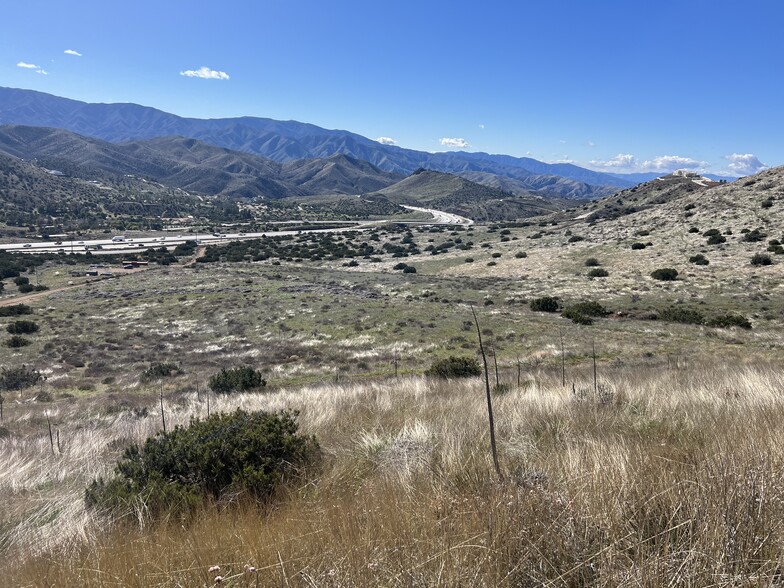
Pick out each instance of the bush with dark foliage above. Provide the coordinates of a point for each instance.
(248, 453)
(545, 304)
(239, 379)
(454, 367)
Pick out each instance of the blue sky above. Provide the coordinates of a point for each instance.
(613, 85)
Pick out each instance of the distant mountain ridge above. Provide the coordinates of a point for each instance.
(193, 165)
(283, 141)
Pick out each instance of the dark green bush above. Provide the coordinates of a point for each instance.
(575, 239)
(22, 328)
(726, 321)
(160, 370)
(717, 239)
(250, 453)
(18, 378)
(592, 262)
(409, 269)
(711, 233)
(15, 310)
(638, 245)
(598, 272)
(239, 379)
(521, 255)
(699, 259)
(17, 341)
(677, 314)
(666, 274)
(588, 308)
(400, 266)
(754, 236)
(21, 280)
(454, 367)
(761, 259)
(545, 304)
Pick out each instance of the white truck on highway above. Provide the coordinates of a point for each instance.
(118, 239)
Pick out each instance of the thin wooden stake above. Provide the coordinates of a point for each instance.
(519, 370)
(489, 399)
(59, 449)
(495, 363)
(51, 439)
(163, 414)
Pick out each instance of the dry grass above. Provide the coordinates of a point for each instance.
(674, 479)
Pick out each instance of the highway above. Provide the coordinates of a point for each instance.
(112, 245)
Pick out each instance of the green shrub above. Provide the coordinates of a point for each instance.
(588, 308)
(699, 259)
(15, 310)
(598, 272)
(521, 255)
(592, 262)
(545, 304)
(717, 239)
(249, 453)
(239, 379)
(754, 236)
(636, 246)
(575, 239)
(666, 274)
(22, 328)
(160, 370)
(409, 269)
(454, 367)
(469, 260)
(761, 259)
(21, 280)
(17, 341)
(711, 233)
(18, 378)
(400, 266)
(726, 321)
(677, 314)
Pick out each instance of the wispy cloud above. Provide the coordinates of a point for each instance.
(205, 73)
(455, 142)
(482, 127)
(591, 144)
(744, 164)
(386, 141)
(628, 163)
(37, 68)
(72, 52)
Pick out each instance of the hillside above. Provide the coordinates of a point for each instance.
(192, 165)
(280, 141)
(460, 196)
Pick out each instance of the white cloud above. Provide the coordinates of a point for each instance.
(457, 142)
(481, 126)
(591, 144)
(72, 52)
(562, 141)
(628, 163)
(744, 164)
(38, 69)
(205, 73)
(386, 141)
(622, 160)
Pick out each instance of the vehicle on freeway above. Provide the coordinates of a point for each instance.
(27, 245)
(58, 242)
(118, 239)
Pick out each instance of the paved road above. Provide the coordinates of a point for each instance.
(110, 246)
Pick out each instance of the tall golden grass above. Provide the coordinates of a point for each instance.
(669, 477)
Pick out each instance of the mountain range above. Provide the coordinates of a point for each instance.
(285, 141)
